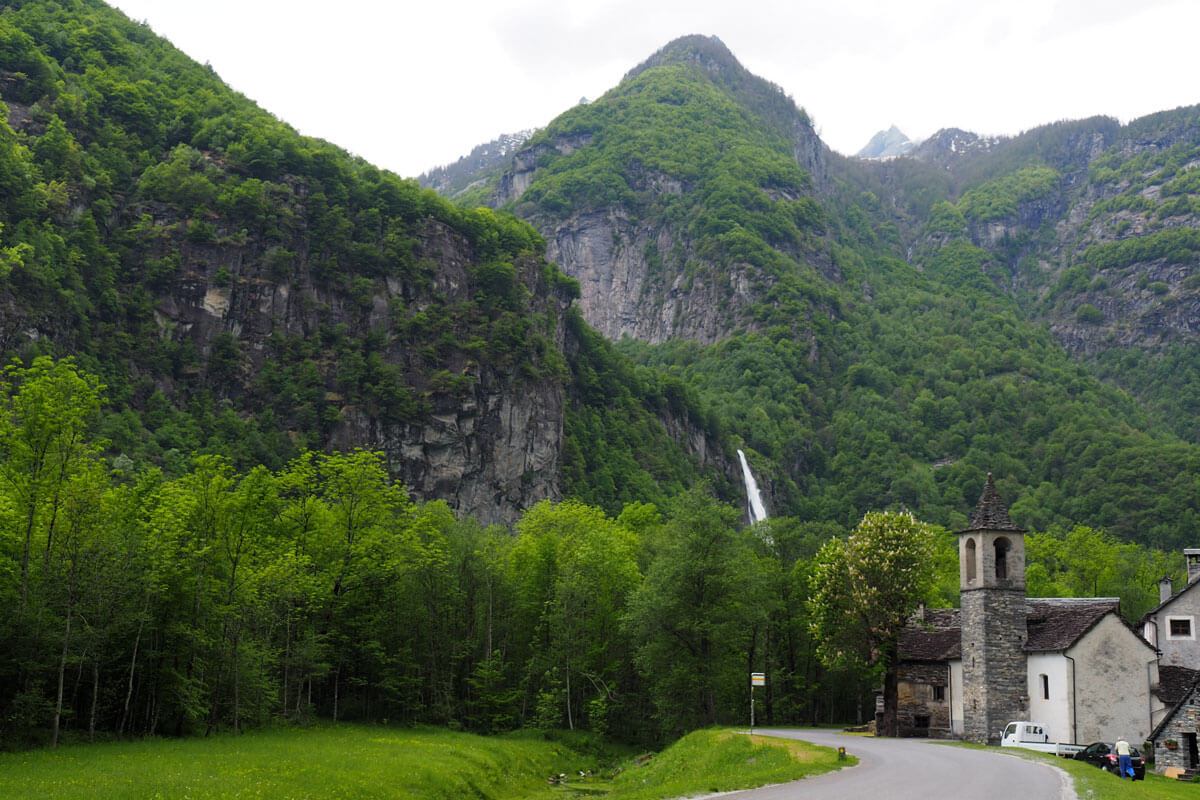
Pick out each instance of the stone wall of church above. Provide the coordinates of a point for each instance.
(994, 664)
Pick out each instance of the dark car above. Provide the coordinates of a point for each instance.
(1105, 757)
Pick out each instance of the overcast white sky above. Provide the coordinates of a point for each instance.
(413, 84)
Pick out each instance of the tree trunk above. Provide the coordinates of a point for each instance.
(570, 720)
(287, 660)
(29, 520)
(62, 667)
(337, 673)
(95, 699)
(216, 692)
(769, 689)
(891, 696)
(132, 667)
(708, 701)
(237, 686)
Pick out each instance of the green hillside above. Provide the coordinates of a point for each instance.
(881, 349)
(245, 291)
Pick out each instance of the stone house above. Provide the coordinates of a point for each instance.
(1171, 627)
(1051, 660)
(1174, 738)
(929, 676)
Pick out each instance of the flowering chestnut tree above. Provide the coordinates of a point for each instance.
(862, 592)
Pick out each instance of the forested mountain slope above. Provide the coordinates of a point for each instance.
(873, 331)
(1093, 228)
(246, 291)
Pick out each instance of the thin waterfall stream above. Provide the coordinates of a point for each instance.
(757, 511)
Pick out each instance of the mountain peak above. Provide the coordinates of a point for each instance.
(705, 51)
(886, 144)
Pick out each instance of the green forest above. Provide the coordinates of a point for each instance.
(224, 600)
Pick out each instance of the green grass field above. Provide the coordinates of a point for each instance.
(354, 761)
(342, 761)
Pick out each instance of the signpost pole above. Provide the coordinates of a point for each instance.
(756, 679)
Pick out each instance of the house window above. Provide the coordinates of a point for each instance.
(970, 560)
(1179, 628)
(939, 693)
(1045, 686)
(921, 721)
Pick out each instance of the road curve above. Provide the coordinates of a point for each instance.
(915, 769)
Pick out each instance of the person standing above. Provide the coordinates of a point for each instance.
(1124, 762)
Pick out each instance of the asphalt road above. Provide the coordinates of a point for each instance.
(915, 769)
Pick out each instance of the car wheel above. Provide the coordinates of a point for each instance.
(1109, 768)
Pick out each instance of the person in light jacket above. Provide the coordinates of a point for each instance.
(1124, 762)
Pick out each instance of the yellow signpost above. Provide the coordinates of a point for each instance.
(756, 679)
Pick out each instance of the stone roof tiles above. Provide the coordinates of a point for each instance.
(1174, 683)
(1056, 623)
(936, 635)
(990, 513)
(1053, 623)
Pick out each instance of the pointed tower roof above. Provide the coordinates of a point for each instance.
(990, 513)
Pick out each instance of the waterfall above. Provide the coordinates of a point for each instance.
(757, 512)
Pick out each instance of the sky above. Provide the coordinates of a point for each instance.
(414, 84)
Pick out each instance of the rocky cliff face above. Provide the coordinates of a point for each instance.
(1119, 186)
(627, 291)
(490, 445)
(483, 433)
(642, 272)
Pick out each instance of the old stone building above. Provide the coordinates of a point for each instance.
(1171, 627)
(1175, 737)
(1070, 663)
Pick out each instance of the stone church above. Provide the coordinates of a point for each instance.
(1072, 664)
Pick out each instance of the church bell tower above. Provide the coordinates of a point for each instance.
(991, 559)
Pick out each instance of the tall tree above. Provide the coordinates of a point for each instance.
(45, 413)
(695, 616)
(864, 589)
(574, 569)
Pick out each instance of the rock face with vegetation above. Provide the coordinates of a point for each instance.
(461, 179)
(1093, 227)
(670, 240)
(807, 297)
(244, 290)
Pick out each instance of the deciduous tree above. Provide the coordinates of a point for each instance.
(863, 591)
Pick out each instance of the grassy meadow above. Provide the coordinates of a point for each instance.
(327, 762)
(359, 761)
(1096, 784)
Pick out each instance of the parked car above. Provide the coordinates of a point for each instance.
(1105, 757)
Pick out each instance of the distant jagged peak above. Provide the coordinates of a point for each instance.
(887, 144)
(949, 145)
